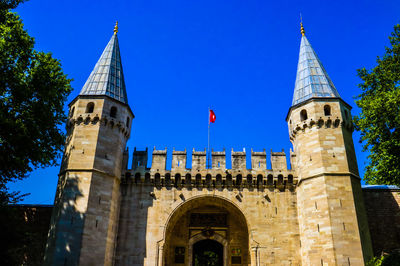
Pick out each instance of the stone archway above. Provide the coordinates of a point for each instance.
(206, 218)
(200, 237)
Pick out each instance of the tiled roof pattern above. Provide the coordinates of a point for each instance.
(312, 79)
(107, 77)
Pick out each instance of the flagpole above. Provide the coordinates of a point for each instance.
(208, 142)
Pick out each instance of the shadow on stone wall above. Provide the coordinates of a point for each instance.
(131, 241)
(383, 211)
(66, 228)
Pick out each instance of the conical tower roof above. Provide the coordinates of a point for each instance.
(107, 77)
(312, 80)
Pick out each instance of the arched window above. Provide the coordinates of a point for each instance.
(90, 107)
(280, 179)
(208, 180)
(198, 179)
(249, 180)
(290, 179)
(113, 112)
(127, 121)
(219, 179)
(71, 113)
(147, 178)
(238, 180)
(168, 179)
(188, 179)
(229, 180)
(157, 179)
(137, 178)
(327, 110)
(303, 115)
(259, 180)
(178, 180)
(270, 180)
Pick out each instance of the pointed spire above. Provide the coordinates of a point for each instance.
(311, 80)
(303, 32)
(107, 77)
(116, 27)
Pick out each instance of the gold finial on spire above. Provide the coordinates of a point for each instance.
(303, 32)
(116, 27)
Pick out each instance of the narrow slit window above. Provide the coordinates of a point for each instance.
(327, 110)
(113, 112)
(303, 115)
(90, 107)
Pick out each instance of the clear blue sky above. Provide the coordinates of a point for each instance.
(180, 57)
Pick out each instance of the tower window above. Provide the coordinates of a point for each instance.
(90, 107)
(157, 179)
(219, 179)
(113, 112)
(327, 110)
(188, 179)
(290, 179)
(208, 180)
(168, 179)
(178, 180)
(303, 115)
(280, 179)
(198, 179)
(270, 180)
(229, 179)
(259, 180)
(147, 178)
(238, 180)
(137, 178)
(249, 180)
(127, 121)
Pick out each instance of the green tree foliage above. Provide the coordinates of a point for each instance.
(379, 120)
(33, 89)
(9, 4)
(385, 260)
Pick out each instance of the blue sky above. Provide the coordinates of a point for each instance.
(180, 57)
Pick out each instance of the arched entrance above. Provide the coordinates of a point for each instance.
(206, 230)
(208, 252)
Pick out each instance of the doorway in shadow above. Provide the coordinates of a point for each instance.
(208, 253)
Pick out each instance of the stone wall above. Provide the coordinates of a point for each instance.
(154, 221)
(157, 203)
(383, 211)
(270, 217)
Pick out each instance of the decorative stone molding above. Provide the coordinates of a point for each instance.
(320, 123)
(93, 118)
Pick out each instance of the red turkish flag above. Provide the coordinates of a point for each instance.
(212, 116)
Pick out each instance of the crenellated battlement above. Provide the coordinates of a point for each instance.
(216, 176)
